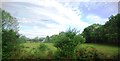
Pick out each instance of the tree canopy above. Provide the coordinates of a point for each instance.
(108, 33)
(9, 34)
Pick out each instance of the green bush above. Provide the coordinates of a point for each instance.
(67, 43)
(9, 43)
(43, 52)
(86, 53)
(42, 47)
(65, 47)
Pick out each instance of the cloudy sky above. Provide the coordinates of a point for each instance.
(47, 17)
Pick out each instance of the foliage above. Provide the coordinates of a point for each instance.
(87, 53)
(43, 49)
(9, 42)
(23, 39)
(89, 32)
(54, 38)
(47, 39)
(9, 34)
(9, 22)
(108, 33)
(35, 50)
(112, 29)
(40, 50)
(37, 39)
(79, 39)
(102, 51)
(67, 42)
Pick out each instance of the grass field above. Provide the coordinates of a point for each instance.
(35, 51)
(106, 50)
(48, 51)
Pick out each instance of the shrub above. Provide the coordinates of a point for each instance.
(43, 52)
(65, 47)
(67, 43)
(86, 53)
(42, 47)
(9, 43)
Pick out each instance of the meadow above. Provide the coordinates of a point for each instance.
(104, 51)
(48, 50)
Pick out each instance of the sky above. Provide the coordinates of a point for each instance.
(48, 17)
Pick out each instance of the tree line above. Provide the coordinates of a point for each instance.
(109, 33)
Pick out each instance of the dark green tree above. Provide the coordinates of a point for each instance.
(47, 39)
(23, 39)
(54, 38)
(108, 33)
(9, 34)
(89, 33)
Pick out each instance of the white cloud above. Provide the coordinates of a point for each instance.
(36, 31)
(43, 13)
(65, 16)
(96, 19)
(50, 17)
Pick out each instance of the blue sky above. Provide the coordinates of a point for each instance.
(44, 17)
